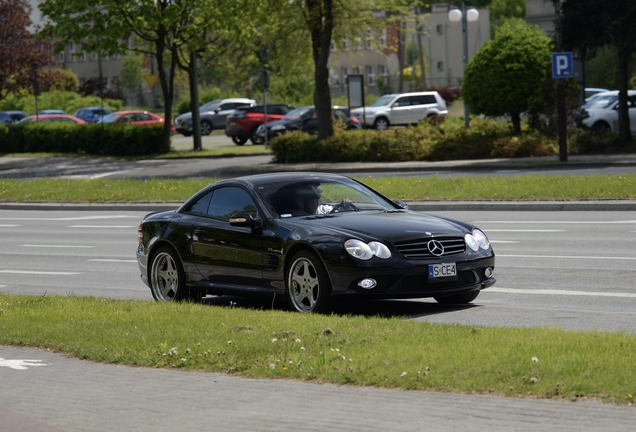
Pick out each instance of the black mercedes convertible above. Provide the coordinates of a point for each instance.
(313, 238)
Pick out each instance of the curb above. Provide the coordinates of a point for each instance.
(425, 206)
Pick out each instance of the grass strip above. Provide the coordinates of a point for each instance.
(525, 187)
(357, 350)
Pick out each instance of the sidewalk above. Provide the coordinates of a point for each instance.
(69, 394)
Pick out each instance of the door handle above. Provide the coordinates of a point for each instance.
(199, 231)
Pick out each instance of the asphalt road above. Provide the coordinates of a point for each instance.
(568, 269)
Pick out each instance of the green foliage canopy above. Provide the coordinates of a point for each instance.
(507, 71)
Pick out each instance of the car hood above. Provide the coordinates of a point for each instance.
(381, 225)
(284, 122)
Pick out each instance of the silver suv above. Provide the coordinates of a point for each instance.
(401, 109)
(213, 115)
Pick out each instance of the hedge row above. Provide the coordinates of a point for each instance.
(424, 142)
(90, 139)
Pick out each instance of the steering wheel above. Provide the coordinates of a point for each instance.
(344, 207)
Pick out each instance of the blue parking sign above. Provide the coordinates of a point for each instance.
(562, 65)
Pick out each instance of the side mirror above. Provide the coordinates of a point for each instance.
(244, 219)
(401, 204)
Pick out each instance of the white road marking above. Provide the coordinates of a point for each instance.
(556, 222)
(9, 226)
(113, 260)
(101, 226)
(567, 257)
(94, 176)
(503, 241)
(20, 364)
(59, 246)
(71, 218)
(38, 272)
(517, 230)
(560, 292)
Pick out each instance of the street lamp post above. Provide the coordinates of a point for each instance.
(465, 15)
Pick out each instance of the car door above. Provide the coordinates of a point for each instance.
(401, 111)
(227, 256)
(420, 106)
(221, 113)
(310, 122)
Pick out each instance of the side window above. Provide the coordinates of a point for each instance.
(231, 200)
(631, 101)
(200, 207)
(404, 101)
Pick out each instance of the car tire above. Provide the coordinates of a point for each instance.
(601, 126)
(256, 140)
(308, 288)
(186, 134)
(239, 140)
(381, 123)
(167, 278)
(462, 298)
(206, 128)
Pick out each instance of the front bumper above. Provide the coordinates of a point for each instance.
(411, 280)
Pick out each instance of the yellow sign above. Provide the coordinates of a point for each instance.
(151, 79)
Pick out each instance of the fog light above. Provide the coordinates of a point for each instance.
(488, 272)
(367, 283)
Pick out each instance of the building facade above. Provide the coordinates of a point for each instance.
(431, 36)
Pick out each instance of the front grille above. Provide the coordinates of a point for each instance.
(418, 248)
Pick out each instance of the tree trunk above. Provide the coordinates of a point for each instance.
(624, 128)
(167, 88)
(321, 25)
(194, 102)
(516, 123)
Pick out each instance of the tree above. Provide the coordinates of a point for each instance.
(18, 49)
(589, 25)
(337, 20)
(132, 74)
(105, 27)
(507, 71)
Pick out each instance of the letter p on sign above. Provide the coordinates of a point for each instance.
(562, 65)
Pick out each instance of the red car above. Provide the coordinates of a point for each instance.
(53, 118)
(243, 122)
(133, 117)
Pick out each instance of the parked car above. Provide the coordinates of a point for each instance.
(5, 118)
(134, 117)
(16, 116)
(92, 114)
(239, 237)
(244, 121)
(213, 115)
(64, 118)
(304, 119)
(601, 112)
(591, 92)
(51, 111)
(401, 109)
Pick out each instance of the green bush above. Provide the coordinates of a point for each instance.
(65, 100)
(90, 139)
(485, 139)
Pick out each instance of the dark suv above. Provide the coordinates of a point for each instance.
(244, 121)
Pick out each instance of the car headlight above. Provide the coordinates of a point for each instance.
(477, 240)
(360, 250)
(278, 127)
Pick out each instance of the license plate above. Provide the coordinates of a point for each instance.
(442, 270)
(232, 123)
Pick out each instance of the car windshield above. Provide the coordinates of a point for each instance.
(302, 198)
(600, 102)
(110, 118)
(383, 101)
(298, 113)
(209, 106)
